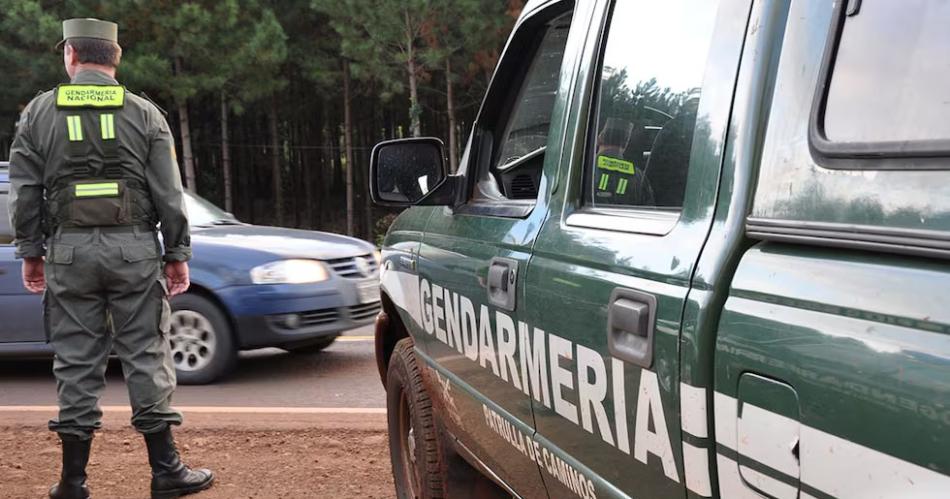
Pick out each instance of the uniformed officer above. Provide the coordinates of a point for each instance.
(93, 172)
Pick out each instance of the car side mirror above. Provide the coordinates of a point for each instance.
(407, 172)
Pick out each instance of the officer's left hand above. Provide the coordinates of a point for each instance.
(177, 278)
(34, 278)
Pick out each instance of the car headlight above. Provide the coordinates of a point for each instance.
(289, 272)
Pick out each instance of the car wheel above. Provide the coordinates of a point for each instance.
(417, 460)
(200, 339)
(312, 347)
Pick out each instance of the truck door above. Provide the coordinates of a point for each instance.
(22, 312)
(612, 266)
(832, 355)
(473, 258)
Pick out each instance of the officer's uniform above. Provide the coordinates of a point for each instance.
(93, 173)
(109, 175)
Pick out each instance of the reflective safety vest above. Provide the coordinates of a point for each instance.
(614, 176)
(95, 188)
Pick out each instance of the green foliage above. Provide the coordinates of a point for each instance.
(250, 51)
(27, 35)
(180, 50)
(371, 35)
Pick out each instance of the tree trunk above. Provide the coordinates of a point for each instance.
(310, 202)
(348, 145)
(276, 173)
(188, 158)
(450, 108)
(226, 156)
(367, 139)
(415, 111)
(326, 171)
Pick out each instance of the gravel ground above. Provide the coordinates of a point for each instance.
(247, 463)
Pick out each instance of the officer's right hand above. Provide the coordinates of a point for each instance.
(34, 278)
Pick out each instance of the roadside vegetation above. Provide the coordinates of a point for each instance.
(273, 101)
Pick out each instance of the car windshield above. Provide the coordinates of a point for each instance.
(6, 232)
(202, 212)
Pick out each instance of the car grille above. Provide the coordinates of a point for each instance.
(354, 268)
(365, 311)
(318, 317)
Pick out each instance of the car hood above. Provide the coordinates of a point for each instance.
(287, 243)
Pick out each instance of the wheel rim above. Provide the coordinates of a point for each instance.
(192, 340)
(407, 437)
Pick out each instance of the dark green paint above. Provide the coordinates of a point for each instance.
(792, 186)
(863, 339)
(853, 344)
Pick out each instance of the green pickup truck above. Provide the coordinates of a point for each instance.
(695, 248)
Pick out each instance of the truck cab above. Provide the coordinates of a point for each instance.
(693, 249)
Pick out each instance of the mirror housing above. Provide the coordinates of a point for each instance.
(408, 172)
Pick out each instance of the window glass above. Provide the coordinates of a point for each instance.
(202, 212)
(649, 91)
(527, 129)
(891, 78)
(6, 232)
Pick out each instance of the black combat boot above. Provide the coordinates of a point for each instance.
(170, 477)
(72, 481)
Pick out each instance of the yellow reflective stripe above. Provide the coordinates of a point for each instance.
(622, 186)
(90, 96)
(99, 191)
(103, 189)
(74, 126)
(615, 164)
(604, 179)
(104, 185)
(107, 126)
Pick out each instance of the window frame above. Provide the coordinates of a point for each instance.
(862, 155)
(497, 109)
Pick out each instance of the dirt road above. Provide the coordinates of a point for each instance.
(281, 426)
(300, 460)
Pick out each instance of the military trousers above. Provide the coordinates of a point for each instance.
(105, 293)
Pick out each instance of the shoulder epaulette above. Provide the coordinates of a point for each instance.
(146, 97)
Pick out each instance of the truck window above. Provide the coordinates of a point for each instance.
(649, 89)
(512, 131)
(886, 80)
(527, 129)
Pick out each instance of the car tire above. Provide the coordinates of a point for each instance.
(200, 339)
(313, 347)
(414, 446)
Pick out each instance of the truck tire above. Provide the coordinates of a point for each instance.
(200, 340)
(414, 448)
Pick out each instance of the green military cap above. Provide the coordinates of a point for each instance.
(90, 28)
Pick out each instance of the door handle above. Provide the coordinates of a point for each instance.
(502, 283)
(630, 322)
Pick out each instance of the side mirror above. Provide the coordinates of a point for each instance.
(408, 172)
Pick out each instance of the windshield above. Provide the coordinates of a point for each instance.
(202, 212)
(6, 232)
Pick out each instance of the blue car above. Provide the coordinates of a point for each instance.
(251, 287)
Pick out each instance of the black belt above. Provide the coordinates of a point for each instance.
(108, 229)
